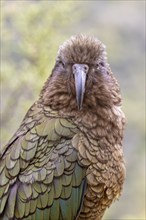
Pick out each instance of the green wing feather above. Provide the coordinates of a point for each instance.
(40, 176)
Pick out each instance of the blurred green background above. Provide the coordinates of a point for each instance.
(31, 32)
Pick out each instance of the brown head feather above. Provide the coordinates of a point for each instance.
(82, 49)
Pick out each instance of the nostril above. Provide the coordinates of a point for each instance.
(74, 67)
(86, 68)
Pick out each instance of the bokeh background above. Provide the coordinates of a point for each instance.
(31, 32)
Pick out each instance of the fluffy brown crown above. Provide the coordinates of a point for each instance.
(82, 49)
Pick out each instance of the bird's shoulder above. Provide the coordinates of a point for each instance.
(39, 156)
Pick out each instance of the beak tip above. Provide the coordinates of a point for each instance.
(79, 108)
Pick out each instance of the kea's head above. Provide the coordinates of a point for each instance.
(81, 78)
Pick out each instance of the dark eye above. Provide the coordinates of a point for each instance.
(101, 68)
(61, 63)
(97, 66)
(101, 64)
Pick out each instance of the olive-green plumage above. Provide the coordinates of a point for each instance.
(65, 162)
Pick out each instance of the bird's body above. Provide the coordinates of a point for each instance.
(65, 162)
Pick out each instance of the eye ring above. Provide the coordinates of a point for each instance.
(61, 63)
(101, 64)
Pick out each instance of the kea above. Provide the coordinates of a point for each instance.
(65, 162)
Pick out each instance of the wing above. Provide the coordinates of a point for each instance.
(40, 175)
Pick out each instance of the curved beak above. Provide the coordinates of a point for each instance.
(80, 73)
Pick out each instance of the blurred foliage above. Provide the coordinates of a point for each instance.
(31, 32)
